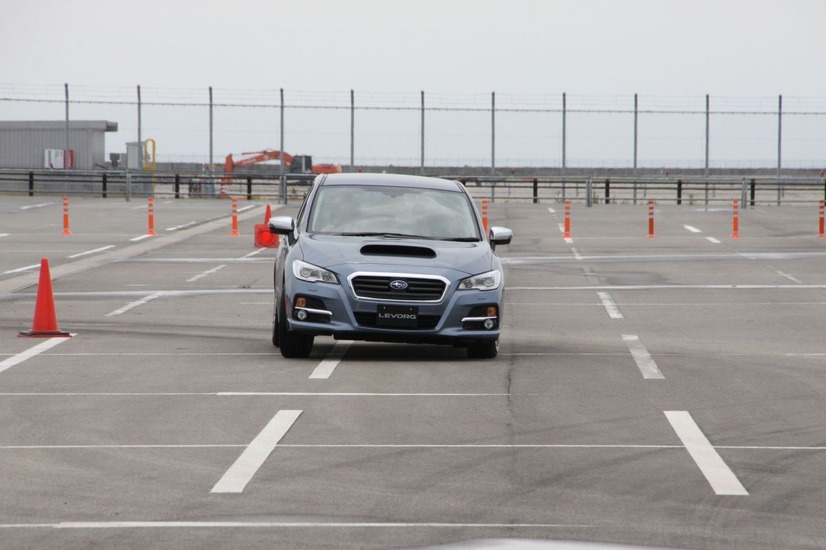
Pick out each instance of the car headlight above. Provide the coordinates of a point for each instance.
(484, 281)
(311, 273)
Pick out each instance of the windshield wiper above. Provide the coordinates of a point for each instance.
(462, 239)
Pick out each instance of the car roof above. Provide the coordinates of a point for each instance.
(392, 180)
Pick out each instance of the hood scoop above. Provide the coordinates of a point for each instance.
(398, 250)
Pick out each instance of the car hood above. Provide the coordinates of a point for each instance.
(336, 252)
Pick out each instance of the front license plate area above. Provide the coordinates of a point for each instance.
(397, 316)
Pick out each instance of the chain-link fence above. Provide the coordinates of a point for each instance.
(429, 131)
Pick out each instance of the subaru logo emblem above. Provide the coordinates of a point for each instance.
(398, 284)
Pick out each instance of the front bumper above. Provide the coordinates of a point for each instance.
(457, 319)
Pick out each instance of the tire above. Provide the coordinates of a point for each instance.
(293, 345)
(275, 340)
(485, 349)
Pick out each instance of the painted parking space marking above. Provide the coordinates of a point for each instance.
(713, 240)
(40, 205)
(140, 238)
(89, 252)
(331, 361)
(182, 226)
(133, 305)
(642, 358)
(206, 273)
(711, 464)
(21, 269)
(4, 234)
(29, 353)
(789, 277)
(253, 253)
(241, 472)
(284, 524)
(610, 306)
(692, 229)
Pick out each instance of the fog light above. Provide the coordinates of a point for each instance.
(489, 324)
(301, 315)
(301, 301)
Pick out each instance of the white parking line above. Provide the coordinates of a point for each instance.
(331, 361)
(692, 229)
(610, 306)
(718, 474)
(206, 273)
(4, 234)
(644, 361)
(713, 240)
(253, 253)
(31, 352)
(133, 305)
(101, 249)
(790, 277)
(140, 238)
(30, 206)
(282, 524)
(177, 227)
(20, 269)
(241, 472)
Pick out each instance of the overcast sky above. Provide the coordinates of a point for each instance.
(726, 48)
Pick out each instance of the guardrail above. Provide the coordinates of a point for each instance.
(689, 190)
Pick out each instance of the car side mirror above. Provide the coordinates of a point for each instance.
(282, 225)
(499, 235)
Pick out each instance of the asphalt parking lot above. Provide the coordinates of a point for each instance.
(664, 391)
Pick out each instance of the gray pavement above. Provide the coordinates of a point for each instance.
(664, 391)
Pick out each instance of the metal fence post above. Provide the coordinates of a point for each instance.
(535, 191)
(211, 134)
(31, 184)
(352, 130)
(177, 186)
(564, 144)
(607, 191)
(282, 188)
(779, 145)
(104, 184)
(493, 133)
(249, 188)
(421, 165)
(679, 192)
(636, 117)
(708, 120)
(589, 193)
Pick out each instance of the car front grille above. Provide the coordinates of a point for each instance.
(419, 289)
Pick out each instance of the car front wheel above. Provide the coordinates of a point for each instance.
(486, 349)
(293, 345)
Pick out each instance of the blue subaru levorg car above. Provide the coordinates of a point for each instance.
(388, 258)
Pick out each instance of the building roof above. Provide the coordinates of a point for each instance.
(100, 125)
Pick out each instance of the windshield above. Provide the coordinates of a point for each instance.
(393, 211)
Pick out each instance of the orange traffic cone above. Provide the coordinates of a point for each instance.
(267, 214)
(45, 319)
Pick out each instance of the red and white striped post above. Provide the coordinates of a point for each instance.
(66, 216)
(485, 215)
(651, 219)
(567, 233)
(735, 220)
(820, 221)
(234, 232)
(151, 210)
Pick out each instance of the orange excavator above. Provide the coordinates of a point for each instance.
(298, 164)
